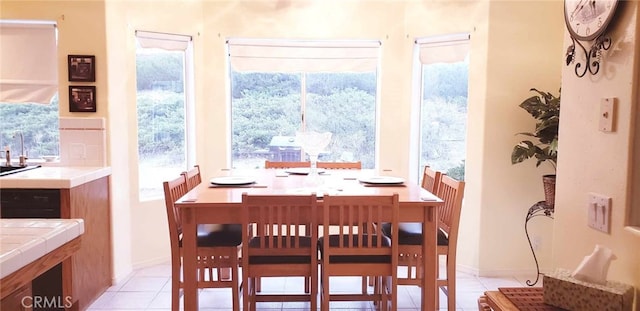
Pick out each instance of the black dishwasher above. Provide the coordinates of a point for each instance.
(37, 203)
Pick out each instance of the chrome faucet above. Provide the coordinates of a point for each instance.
(22, 158)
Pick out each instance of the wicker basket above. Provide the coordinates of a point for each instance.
(549, 182)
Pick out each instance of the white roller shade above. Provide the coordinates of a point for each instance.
(28, 62)
(165, 41)
(443, 49)
(260, 55)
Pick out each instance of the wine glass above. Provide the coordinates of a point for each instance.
(313, 143)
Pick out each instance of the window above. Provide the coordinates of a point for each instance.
(163, 109)
(279, 87)
(444, 68)
(38, 124)
(28, 88)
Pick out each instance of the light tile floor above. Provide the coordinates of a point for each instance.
(150, 289)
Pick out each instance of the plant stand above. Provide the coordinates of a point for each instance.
(539, 209)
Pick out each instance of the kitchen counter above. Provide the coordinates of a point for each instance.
(51, 177)
(23, 241)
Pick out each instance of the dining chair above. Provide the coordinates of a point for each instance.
(355, 252)
(217, 249)
(325, 165)
(289, 164)
(431, 179)
(274, 245)
(193, 177)
(340, 165)
(410, 239)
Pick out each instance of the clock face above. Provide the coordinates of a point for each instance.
(587, 19)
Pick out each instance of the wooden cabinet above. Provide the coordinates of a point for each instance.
(90, 268)
(19, 300)
(88, 272)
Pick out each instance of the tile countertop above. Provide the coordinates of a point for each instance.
(22, 241)
(49, 177)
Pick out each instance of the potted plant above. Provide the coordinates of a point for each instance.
(543, 145)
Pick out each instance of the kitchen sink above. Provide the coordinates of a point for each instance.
(6, 170)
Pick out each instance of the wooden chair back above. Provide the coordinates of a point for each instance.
(173, 190)
(360, 248)
(354, 216)
(431, 179)
(275, 244)
(275, 216)
(275, 164)
(193, 177)
(340, 165)
(451, 191)
(325, 165)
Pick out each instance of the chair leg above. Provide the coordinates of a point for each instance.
(307, 282)
(247, 287)
(313, 300)
(258, 284)
(383, 292)
(394, 293)
(325, 292)
(175, 286)
(235, 288)
(252, 298)
(451, 285)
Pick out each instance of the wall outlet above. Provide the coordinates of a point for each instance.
(599, 212)
(607, 114)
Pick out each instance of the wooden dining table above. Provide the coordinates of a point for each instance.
(214, 204)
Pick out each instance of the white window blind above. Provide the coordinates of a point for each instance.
(165, 41)
(443, 49)
(291, 56)
(28, 54)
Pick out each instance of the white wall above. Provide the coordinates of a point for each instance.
(82, 30)
(520, 56)
(594, 161)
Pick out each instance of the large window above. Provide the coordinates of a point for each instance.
(444, 67)
(280, 87)
(38, 125)
(28, 89)
(162, 108)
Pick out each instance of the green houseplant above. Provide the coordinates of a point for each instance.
(543, 141)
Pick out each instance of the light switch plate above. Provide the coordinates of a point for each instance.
(607, 114)
(599, 212)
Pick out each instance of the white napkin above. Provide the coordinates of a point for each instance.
(594, 267)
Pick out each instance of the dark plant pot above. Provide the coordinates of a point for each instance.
(549, 183)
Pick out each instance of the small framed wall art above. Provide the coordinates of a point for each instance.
(82, 68)
(82, 98)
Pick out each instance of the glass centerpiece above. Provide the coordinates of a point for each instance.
(313, 143)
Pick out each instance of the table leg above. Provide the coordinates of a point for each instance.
(190, 273)
(429, 257)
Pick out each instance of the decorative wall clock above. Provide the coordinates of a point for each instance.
(587, 21)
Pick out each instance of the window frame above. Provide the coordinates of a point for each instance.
(366, 65)
(183, 43)
(417, 94)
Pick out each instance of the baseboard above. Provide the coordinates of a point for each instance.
(499, 273)
(467, 269)
(151, 262)
(121, 277)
